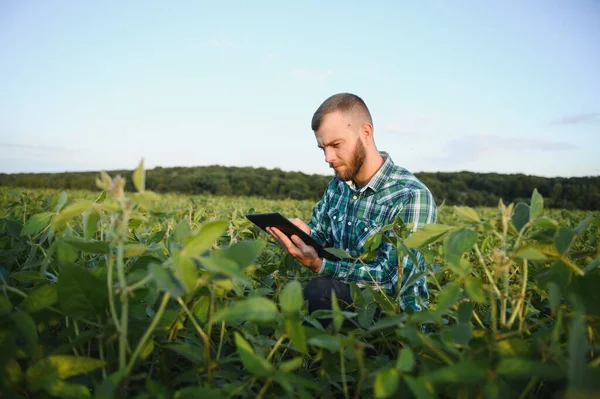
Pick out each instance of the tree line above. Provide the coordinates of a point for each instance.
(458, 188)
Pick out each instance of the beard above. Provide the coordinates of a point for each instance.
(358, 158)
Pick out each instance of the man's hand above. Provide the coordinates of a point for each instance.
(305, 254)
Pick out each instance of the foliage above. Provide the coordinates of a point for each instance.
(141, 295)
(457, 188)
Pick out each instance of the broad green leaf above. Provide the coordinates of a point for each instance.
(563, 239)
(12, 374)
(467, 213)
(339, 252)
(191, 352)
(537, 205)
(583, 225)
(420, 387)
(139, 177)
(292, 364)
(457, 243)
(474, 289)
(203, 241)
(107, 389)
(427, 234)
(28, 330)
(338, 318)
(244, 253)
(36, 223)
(5, 305)
(192, 392)
(525, 368)
(465, 372)
(462, 332)
(291, 298)
(545, 223)
(186, 272)
(132, 250)
(521, 215)
(224, 267)
(554, 295)
(165, 280)
(406, 360)
(27, 277)
(252, 362)
(295, 330)
(465, 312)
(536, 252)
(80, 293)
(61, 200)
(89, 246)
(448, 296)
(181, 232)
(69, 213)
(256, 309)
(54, 367)
(90, 224)
(39, 298)
(386, 383)
(578, 348)
(326, 342)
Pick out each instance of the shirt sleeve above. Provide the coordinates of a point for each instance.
(418, 208)
(319, 223)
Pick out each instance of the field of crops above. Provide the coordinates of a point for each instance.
(113, 294)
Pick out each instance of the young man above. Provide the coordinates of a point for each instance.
(368, 192)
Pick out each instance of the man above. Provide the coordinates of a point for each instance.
(368, 192)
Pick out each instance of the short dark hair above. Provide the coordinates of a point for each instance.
(343, 102)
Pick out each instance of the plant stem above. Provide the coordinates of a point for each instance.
(124, 305)
(276, 346)
(205, 338)
(264, 388)
(111, 300)
(149, 331)
(487, 272)
(343, 371)
(221, 340)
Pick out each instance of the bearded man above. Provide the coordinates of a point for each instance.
(368, 192)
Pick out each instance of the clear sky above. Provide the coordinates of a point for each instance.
(485, 86)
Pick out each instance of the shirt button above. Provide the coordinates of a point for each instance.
(366, 229)
(349, 223)
(355, 197)
(335, 217)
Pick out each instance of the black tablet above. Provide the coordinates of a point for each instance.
(276, 219)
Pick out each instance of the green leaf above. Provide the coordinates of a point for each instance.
(515, 367)
(69, 213)
(326, 342)
(578, 347)
(5, 305)
(89, 246)
(193, 353)
(292, 364)
(291, 298)
(80, 293)
(90, 223)
(181, 232)
(563, 239)
(27, 277)
(132, 250)
(537, 204)
(386, 383)
(554, 295)
(36, 223)
(39, 298)
(583, 224)
(186, 272)
(139, 177)
(252, 362)
(536, 252)
(406, 360)
(51, 369)
(474, 289)
(468, 214)
(61, 200)
(427, 234)
(339, 252)
(448, 296)
(338, 318)
(457, 243)
(255, 309)
(420, 387)
(296, 332)
(465, 372)
(28, 330)
(165, 280)
(204, 240)
(521, 215)
(462, 332)
(244, 253)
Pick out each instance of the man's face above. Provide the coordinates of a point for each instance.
(339, 138)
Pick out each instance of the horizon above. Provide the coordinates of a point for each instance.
(505, 88)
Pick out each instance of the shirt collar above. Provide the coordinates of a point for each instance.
(380, 177)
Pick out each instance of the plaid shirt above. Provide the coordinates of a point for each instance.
(346, 217)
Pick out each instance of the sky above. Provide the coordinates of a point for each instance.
(484, 86)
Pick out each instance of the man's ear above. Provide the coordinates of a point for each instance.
(367, 131)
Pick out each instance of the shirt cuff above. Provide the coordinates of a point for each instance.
(327, 267)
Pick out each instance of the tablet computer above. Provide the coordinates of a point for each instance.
(276, 219)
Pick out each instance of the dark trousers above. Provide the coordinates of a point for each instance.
(318, 293)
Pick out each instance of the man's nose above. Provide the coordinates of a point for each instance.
(329, 155)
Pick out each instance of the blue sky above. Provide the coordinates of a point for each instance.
(484, 86)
